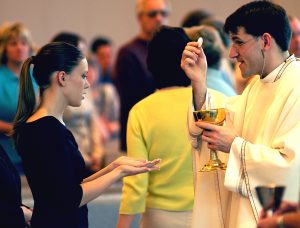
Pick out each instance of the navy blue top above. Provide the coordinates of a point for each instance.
(132, 79)
(54, 168)
(11, 214)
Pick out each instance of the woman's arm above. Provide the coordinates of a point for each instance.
(92, 189)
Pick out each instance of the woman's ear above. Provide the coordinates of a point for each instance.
(61, 78)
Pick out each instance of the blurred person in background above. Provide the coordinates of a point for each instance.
(202, 17)
(195, 18)
(105, 95)
(72, 38)
(15, 47)
(107, 104)
(101, 47)
(295, 41)
(131, 76)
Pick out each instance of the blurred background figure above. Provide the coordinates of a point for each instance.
(213, 48)
(295, 41)
(157, 128)
(83, 121)
(195, 18)
(13, 214)
(72, 38)
(202, 17)
(131, 76)
(107, 105)
(105, 95)
(15, 47)
(226, 65)
(101, 47)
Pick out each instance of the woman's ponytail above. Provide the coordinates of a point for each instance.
(27, 99)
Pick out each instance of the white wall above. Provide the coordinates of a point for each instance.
(113, 18)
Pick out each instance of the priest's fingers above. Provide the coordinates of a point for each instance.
(189, 55)
(206, 126)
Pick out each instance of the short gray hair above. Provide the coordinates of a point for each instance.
(140, 5)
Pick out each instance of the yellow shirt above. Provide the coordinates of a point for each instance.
(157, 129)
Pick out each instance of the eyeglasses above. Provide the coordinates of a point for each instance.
(237, 44)
(153, 13)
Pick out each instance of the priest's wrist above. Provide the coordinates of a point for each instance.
(280, 222)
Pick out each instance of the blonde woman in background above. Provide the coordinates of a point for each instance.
(15, 47)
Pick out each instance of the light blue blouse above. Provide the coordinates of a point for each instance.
(9, 93)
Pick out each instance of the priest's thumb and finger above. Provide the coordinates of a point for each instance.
(193, 62)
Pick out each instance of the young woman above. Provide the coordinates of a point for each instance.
(52, 163)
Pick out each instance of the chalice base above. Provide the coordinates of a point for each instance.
(213, 165)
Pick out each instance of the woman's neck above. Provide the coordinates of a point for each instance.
(52, 104)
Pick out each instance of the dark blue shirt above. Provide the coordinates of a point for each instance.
(55, 169)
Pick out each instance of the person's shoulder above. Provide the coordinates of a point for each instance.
(291, 74)
(3, 68)
(47, 124)
(3, 72)
(128, 45)
(132, 46)
(162, 95)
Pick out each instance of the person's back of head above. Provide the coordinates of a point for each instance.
(218, 25)
(10, 31)
(195, 18)
(164, 56)
(212, 44)
(71, 38)
(259, 17)
(55, 56)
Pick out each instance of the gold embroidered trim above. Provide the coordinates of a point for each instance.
(248, 188)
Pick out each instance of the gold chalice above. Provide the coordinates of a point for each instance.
(217, 117)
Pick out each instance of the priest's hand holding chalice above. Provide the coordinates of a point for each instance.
(210, 120)
(217, 117)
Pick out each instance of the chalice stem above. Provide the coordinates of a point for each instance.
(213, 155)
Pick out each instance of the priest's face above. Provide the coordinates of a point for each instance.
(246, 50)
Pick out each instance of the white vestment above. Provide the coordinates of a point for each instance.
(267, 151)
(211, 198)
